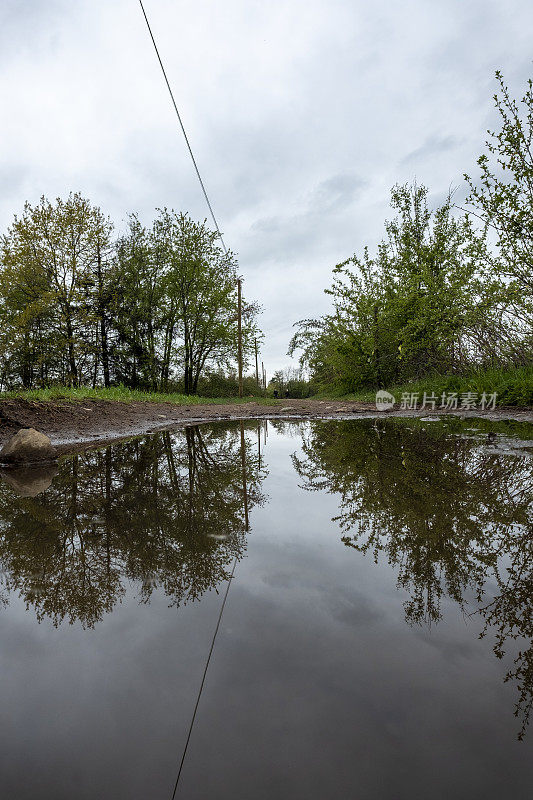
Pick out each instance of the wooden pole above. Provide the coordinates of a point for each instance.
(239, 291)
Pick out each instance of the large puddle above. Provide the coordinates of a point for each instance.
(375, 641)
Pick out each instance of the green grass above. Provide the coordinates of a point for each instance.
(513, 387)
(124, 395)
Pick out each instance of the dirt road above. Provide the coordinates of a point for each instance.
(72, 425)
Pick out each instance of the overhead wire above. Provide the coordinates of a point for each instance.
(187, 142)
(210, 207)
(193, 718)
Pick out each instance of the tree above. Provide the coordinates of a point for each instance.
(201, 286)
(422, 304)
(175, 303)
(139, 307)
(52, 285)
(291, 382)
(503, 196)
(154, 308)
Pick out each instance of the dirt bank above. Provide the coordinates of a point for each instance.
(73, 425)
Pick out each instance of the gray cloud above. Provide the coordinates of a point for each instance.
(432, 147)
(336, 192)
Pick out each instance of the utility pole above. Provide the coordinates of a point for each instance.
(239, 291)
(256, 365)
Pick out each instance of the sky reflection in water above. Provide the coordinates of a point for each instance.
(371, 558)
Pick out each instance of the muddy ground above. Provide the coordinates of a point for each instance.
(74, 425)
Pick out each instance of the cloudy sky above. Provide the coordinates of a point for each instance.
(302, 115)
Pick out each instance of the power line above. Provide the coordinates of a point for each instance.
(183, 130)
(203, 680)
(191, 726)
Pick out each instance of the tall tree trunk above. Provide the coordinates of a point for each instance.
(151, 352)
(377, 353)
(96, 359)
(134, 367)
(165, 369)
(105, 351)
(41, 353)
(103, 327)
(186, 376)
(73, 372)
(188, 373)
(26, 366)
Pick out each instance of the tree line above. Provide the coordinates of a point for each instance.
(153, 308)
(448, 290)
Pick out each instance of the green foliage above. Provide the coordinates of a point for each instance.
(157, 306)
(291, 382)
(175, 304)
(513, 387)
(52, 292)
(219, 384)
(502, 197)
(439, 296)
(424, 304)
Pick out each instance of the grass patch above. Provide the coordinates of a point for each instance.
(512, 387)
(125, 395)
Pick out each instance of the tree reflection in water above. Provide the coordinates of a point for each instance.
(450, 512)
(168, 511)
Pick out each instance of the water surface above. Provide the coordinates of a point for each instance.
(375, 642)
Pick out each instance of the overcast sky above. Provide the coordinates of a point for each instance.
(302, 115)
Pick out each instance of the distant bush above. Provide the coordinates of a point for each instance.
(295, 389)
(216, 384)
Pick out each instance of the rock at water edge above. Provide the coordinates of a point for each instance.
(27, 446)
